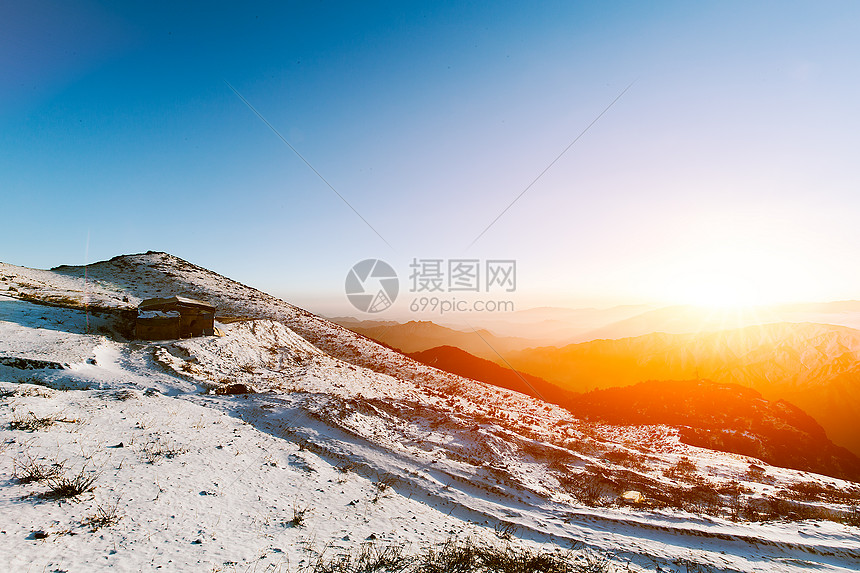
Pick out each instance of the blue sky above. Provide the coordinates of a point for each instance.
(729, 166)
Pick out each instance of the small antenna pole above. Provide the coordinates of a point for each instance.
(86, 281)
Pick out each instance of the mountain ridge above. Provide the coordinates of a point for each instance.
(814, 366)
(719, 416)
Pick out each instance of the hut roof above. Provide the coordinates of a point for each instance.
(156, 303)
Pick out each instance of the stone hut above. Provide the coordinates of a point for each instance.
(174, 317)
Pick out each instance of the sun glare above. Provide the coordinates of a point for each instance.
(735, 260)
(727, 274)
(718, 291)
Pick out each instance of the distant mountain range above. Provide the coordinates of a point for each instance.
(692, 319)
(717, 416)
(415, 336)
(553, 326)
(816, 367)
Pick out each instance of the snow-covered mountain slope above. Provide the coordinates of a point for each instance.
(343, 441)
(124, 281)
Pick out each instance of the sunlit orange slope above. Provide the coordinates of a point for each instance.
(816, 367)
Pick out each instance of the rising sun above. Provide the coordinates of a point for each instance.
(719, 291)
(726, 276)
